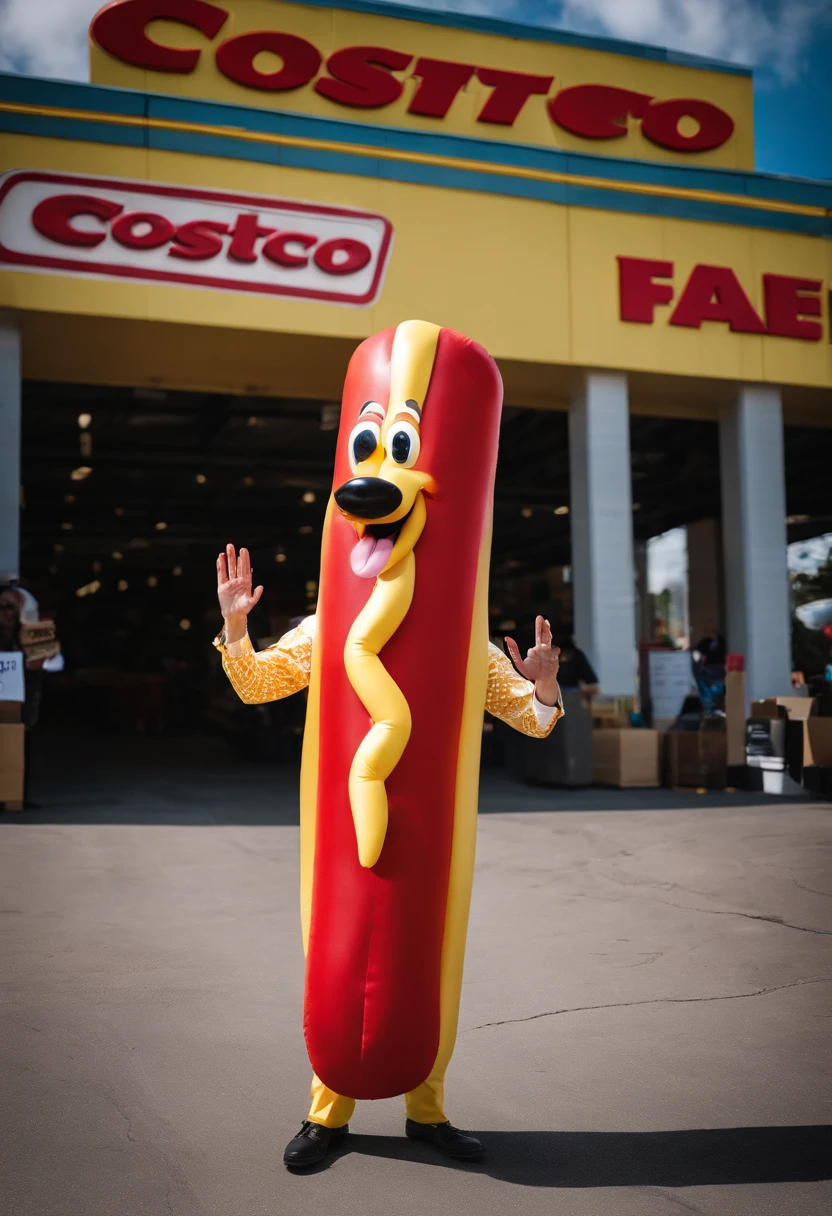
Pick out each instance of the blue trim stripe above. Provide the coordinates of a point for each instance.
(529, 33)
(135, 107)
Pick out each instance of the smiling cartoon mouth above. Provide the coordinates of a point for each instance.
(371, 552)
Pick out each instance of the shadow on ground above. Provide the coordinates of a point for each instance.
(707, 1157)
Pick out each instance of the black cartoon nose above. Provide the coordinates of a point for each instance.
(368, 497)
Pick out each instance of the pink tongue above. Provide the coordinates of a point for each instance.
(370, 555)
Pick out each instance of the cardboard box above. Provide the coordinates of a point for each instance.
(625, 758)
(735, 718)
(11, 711)
(696, 759)
(11, 762)
(813, 741)
(796, 708)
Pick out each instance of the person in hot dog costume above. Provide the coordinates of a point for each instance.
(399, 669)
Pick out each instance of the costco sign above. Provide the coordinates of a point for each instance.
(204, 238)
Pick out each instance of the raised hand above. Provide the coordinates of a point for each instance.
(234, 584)
(541, 662)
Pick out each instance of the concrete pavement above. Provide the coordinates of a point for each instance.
(645, 1023)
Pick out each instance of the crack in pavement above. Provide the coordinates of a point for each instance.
(669, 903)
(657, 1000)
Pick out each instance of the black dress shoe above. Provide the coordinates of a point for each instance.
(462, 1146)
(311, 1144)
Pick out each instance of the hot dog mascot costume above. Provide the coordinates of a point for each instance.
(399, 668)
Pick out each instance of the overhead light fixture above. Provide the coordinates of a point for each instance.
(636, 506)
(53, 569)
(253, 420)
(116, 556)
(66, 527)
(88, 589)
(561, 510)
(96, 567)
(81, 473)
(69, 498)
(248, 481)
(310, 496)
(123, 584)
(306, 529)
(797, 519)
(84, 420)
(527, 512)
(161, 526)
(57, 548)
(185, 624)
(85, 444)
(177, 570)
(153, 581)
(280, 557)
(201, 479)
(311, 585)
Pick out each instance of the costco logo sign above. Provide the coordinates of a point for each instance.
(204, 238)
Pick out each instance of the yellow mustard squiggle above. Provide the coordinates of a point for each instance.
(382, 747)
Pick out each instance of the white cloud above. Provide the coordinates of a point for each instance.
(775, 34)
(46, 37)
(49, 37)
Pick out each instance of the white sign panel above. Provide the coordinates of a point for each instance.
(11, 676)
(671, 680)
(100, 226)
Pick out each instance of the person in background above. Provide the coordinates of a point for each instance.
(576, 671)
(710, 651)
(11, 605)
(709, 670)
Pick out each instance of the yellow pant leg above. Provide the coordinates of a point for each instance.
(328, 1108)
(424, 1105)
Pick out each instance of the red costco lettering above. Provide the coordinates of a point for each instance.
(51, 218)
(158, 230)
(511, 92)
(301, 60)
(121, 30)
(599, 111)
(441, 83)
(362, 77)
(198, 240)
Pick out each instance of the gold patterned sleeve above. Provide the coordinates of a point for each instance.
(511, 698)
(271, 674)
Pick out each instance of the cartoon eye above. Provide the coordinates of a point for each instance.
(403, 444)
(364, 440)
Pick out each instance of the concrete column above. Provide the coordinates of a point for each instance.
(9, 450)
(754, 538)
(706, 601)
(602, 529)
(644, 612)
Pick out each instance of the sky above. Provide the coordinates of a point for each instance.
(787, 42)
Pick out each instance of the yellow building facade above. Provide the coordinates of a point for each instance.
(246, 190)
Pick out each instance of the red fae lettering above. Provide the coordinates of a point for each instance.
(787, 305)
(120, 29)
(713, 293)
(362, 76)
(638, 293)
(198, 240)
